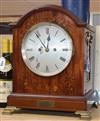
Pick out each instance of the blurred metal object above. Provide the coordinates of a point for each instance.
(80, 8)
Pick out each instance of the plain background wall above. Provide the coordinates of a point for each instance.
(20, 7)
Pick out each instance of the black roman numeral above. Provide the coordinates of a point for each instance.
(47, 31)
(30, 49)
(65, 49)
(31, 58)
(62, 59)
(47, 68)
(62, 40)
(32, 40)
(56, 66)
(38, 65)
(38, 34)
(56, 32)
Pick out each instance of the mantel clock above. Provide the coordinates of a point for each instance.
(52, 61)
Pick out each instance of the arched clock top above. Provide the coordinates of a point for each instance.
(54, 11)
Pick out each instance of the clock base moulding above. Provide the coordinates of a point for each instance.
(47, 102)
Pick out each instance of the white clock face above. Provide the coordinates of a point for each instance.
(47, 49)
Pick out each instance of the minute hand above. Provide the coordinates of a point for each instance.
(40, 40)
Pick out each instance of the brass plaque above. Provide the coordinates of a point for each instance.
(45, 103)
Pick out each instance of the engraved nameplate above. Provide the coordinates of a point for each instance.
(45, 103)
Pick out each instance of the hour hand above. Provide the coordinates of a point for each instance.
(48, 39)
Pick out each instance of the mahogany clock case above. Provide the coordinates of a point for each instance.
(67, 91)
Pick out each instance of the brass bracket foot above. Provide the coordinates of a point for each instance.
(86, 115)
(9, 110)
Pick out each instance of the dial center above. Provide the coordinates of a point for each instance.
(46, 49)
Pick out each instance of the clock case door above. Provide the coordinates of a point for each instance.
(65, 91)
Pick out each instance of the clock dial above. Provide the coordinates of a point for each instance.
(47, 49)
